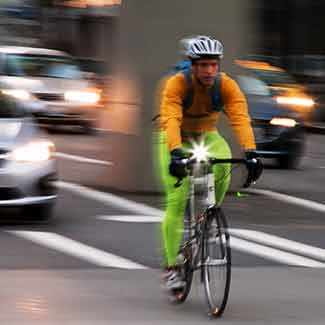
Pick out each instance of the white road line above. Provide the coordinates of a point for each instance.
(237, 243)
(273, 254)
(77, 249)
(277, 253)
(103, 130)
(312, 205)
(131, 218)
(279, 242)
(82, 159)
(110, 199)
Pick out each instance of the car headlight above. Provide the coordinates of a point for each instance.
(84, 97)
(17, 93)
(296, 101)
(280, 121)
(34, 151)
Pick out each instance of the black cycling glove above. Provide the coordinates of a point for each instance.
(254, 167)
(176, 167)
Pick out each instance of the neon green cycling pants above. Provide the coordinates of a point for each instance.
(176, 197)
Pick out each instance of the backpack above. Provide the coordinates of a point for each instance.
(184, 67)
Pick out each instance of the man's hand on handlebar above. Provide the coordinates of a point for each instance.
(176, 167)
(254, 167)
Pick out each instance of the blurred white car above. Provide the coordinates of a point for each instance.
(51, 85)
(28, 170)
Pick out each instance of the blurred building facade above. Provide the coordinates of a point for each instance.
(284, 29)
(290, 35)
(291, 27)
(147, 46)
(84, 28)
(140, 39)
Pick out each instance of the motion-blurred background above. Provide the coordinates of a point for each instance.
(120, 50)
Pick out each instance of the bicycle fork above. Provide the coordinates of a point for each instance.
(200, 255)
(211, 203)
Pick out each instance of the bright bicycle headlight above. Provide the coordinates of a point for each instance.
(34, 152)
(84, 97)
(17, 93)
(200, 152)
(280, 121)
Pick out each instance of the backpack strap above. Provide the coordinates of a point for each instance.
(215, 93)
(217, 104)
(188, 99)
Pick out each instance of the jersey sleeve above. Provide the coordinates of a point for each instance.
(171, 111)
(237, 112)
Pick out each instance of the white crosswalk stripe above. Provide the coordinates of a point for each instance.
(77, 249)
(280, 243)
(252, 242)
(273, 254)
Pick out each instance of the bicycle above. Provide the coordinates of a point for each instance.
(206, 243)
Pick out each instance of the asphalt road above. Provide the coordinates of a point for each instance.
(97, 261)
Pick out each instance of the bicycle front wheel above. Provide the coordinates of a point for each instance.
(186, 255)
(216, 262)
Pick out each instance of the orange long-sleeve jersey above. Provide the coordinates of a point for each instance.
(200, 117)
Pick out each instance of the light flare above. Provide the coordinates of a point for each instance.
(280, 121)
(84, 97)
(296, 101)
(200, 151)
(34, 152)
(17, 93)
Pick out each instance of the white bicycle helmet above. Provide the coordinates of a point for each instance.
(184, 44)
(204, 46)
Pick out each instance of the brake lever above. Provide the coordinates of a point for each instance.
(178, 183)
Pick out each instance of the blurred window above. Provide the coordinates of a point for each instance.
(275, 77)
(10, 108)
(253, 86)
(24, 65)
(95, 66)
(1, 64)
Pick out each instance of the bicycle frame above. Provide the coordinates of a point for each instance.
(196, 250)
(197, 238)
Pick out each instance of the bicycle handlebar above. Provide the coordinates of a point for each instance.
(213, 161)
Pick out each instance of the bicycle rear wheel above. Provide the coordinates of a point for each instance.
(216, 262)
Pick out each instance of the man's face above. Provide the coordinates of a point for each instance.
(206, 70)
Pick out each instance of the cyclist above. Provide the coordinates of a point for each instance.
(179, 127)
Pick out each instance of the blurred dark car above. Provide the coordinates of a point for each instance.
(278, 131)
(284, 88)
(27, 9)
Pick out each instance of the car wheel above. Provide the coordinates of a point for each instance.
(39, 212)
(292, 158)
(88, 128)
(290, 161)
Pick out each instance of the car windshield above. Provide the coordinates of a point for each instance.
(253, 86)
(45, 66)
(10, 108)
(275, 77)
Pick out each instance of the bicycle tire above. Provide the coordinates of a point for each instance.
(217, 254)
(186, 269)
